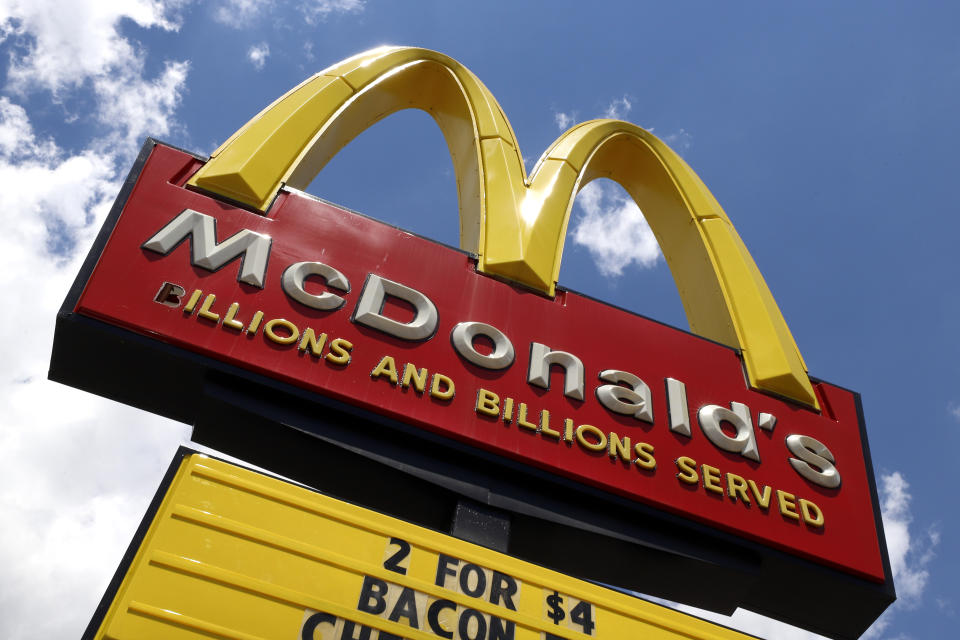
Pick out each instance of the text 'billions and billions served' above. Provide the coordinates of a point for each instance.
(635, 399)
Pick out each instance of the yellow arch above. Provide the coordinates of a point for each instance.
(516, 225)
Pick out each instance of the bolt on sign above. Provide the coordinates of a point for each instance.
(226, 552)
(355, 356)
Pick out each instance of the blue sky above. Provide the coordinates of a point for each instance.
(826, 132)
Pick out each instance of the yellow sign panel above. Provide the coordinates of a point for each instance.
(235, 554)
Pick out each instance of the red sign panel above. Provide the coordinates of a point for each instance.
(347, 307)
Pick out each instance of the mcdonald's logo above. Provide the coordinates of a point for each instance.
(516, 224)
(221, 295)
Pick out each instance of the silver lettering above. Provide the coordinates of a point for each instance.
(815, 463)
(538, 374)
(251, 247)
(633, 401)
(677, 407)
(462, 338)
(369, 311)
(296, 274)
(738, 416)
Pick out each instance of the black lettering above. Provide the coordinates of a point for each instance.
(503, 587)
(384, 635)
(465, 617)
(433, 617)
(393, 562)
(314, 621)
(350, 631)
(501, 629)
(481, 584)
(372, 596)
(444, 570)
(406, 607)
(582, 614)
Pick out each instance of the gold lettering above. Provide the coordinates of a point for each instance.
(341, 348)
(545, 425)
(488, 403)
(688, 470)
(441, 387)
(205, 312)
(763, 499)
(310, 339)
(618, 447)
(711, 476)
(273, 336)
(255, 323)
(811, 513)
(386, 367)
(522, 418)
(601, 442)
(417, 376)
(229, 320)
(787, 505)
(737, 487)
(508, 410)
(645, 459)
(192, 302)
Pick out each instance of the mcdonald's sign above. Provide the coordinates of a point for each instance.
(397, 372)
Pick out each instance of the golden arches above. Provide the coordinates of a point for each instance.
(291, 140)
(516, 225)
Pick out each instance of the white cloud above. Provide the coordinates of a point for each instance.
(910, 557)
(319, 10)
(564, 120)
(61, 43)
(613, 229)
(242, 14)
(954, 410)
(258, 55)
(50, 201)
(945, 605)
(75, 486)
(61, 46)
(135, 107)
(618, 108)
(72, 485)
(17, 139)
(680, 141)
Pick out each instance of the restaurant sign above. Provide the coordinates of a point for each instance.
(223, 265)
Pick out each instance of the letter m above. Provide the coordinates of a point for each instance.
(251, 247)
